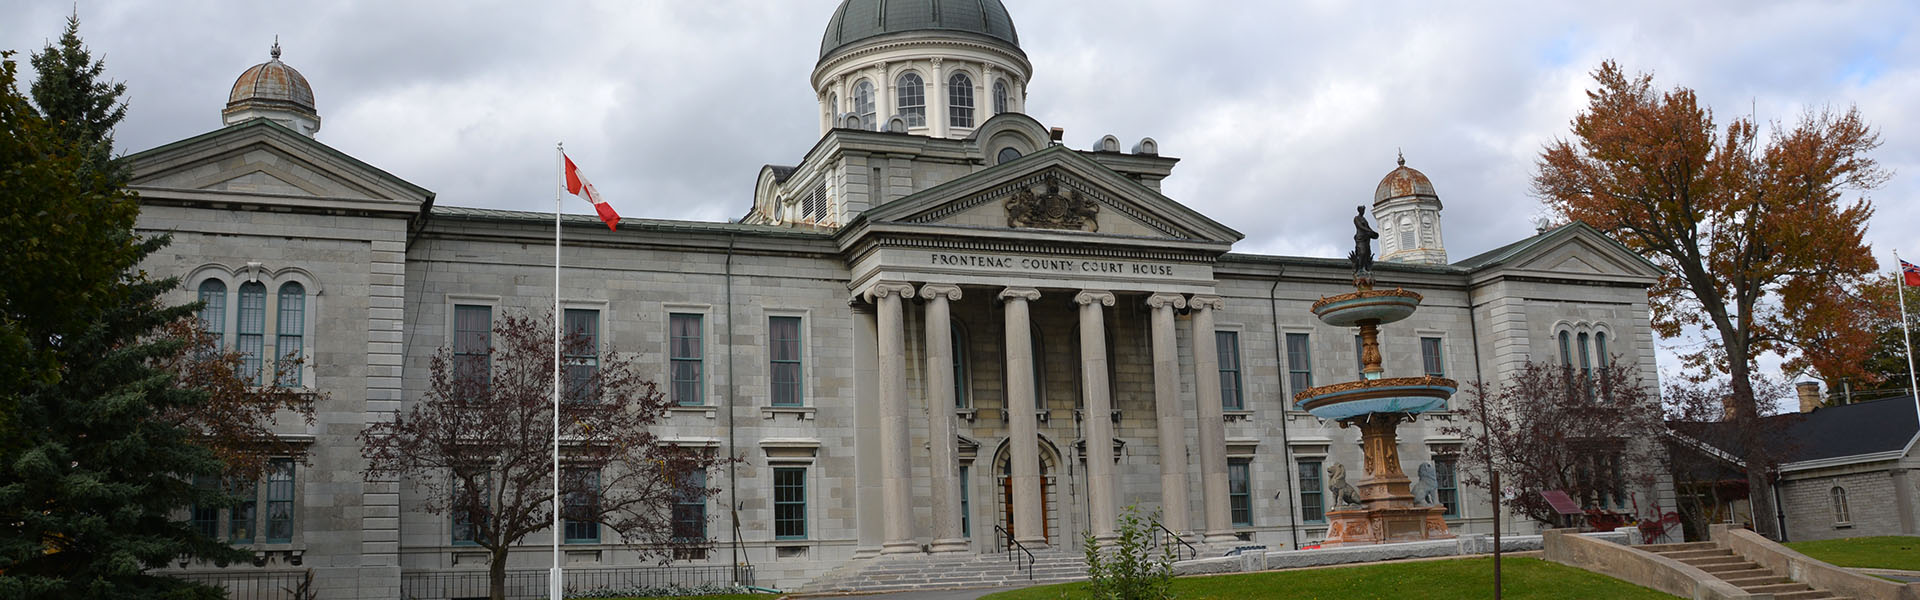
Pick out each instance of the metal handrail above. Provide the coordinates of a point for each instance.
(1159, 528)
(1013, 543)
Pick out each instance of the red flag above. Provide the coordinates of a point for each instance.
(578, 186)
(1909, 274)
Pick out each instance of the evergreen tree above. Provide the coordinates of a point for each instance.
(72, 95)
(90, 480)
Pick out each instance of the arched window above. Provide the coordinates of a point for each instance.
(863, 104)
(912, 96)
(1566, 349)
(213, 312)
(1006, 155)
(250, 338)
(960, 381)
(290, 333)
(1840, 512)
(833, 109)
(1600, 351)
(960, 100)
(1001, 97)
(1586, 359)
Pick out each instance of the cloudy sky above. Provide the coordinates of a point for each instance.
(1286, 114)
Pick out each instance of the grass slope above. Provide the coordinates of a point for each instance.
(1886, 552)
(1525, 578)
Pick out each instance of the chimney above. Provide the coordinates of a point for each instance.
(1809, 395)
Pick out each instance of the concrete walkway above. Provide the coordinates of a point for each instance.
(1894, 574)
(968, 594)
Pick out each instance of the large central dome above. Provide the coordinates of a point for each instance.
(858, 20)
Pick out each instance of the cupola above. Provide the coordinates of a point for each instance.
(941, 67)
(1408, 213)
(274, 91)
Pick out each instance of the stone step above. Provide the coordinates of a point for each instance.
(1702, 553)
(1777, 588)
(1763, 577)
(1718, 564)
(1809, 595)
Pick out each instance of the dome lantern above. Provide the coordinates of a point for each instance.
(273, 90)
(1407, 209)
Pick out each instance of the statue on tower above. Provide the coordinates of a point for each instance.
(1362, 256)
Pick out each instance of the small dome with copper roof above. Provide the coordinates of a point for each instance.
(273, 90)
(1402, 182)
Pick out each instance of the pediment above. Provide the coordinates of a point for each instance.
(1054, 191)
(266, 160)
(1576, 250)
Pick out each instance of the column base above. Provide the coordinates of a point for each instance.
(950, 545)
(900, 548)
(1220, 537)
(865, 552)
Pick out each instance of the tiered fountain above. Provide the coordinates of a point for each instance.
(1384, 509)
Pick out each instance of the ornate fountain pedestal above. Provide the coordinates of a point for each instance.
(1387, 512)
(1382, 507)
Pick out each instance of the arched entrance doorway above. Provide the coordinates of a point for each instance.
(1049, 490)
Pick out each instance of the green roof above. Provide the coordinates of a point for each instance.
(859, 20)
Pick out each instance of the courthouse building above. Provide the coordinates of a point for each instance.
(940, 324)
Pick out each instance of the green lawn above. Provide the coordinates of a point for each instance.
(1526, 578)
(706, 597)
(1887, 552)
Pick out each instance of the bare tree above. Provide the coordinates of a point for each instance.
(479, 444)
(1704, 448)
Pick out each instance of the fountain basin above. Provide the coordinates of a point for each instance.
(1409, 395)
(1377, 307)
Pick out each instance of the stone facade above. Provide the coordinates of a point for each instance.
(909, 442)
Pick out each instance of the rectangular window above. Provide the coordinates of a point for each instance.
(1240, 490)
(789, 503)
(582, 523)
(251, 338)
(690, 510)
(1313, 508)
(688, 358)
(242, 518)
(1359, 355)
(1231, 397)
(582, 360)
(960, 381)
(280, 501)
(1430, 357)
(472, 345)
(468, 518)
(1449, 484)
(784, 354)
(966, 512)
(290, 333)
(1299, 363)
(206, 519)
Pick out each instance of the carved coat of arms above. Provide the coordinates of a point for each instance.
(1049, 205)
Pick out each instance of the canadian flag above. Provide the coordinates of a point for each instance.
(578, 186)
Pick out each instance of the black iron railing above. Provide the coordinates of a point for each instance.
(250, 584)
(532, 584)
(1160, 530)
(1013, 544)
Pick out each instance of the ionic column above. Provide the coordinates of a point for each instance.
(1029, 526)
(1099, 408)
(896, 463)
(1166, 406)
(946, 472)
(1213, 429)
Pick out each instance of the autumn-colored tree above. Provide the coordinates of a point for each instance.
(1758, 243)
(1551, 427)
(237, 418)
(479, 445)
(1884, 372)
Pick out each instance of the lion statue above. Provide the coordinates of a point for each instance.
(1344, 494)
(1426, 486)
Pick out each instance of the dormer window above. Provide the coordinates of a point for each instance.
(913, 99)
(863, 104)
(960, 100)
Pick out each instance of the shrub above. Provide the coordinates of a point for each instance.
(1130, 569)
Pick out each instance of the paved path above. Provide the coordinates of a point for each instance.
(1909, 576)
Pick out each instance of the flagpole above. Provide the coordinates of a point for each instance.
(554, 576)
(1900, 283)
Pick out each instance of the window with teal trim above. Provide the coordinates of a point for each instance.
(1445, 468)
(960, 382)
(1313, 507)
(1240, 490)
(966, 497)
(789, 503)
(690, 510)
(250, 339)
(472, 348)
(213, 312)
(784, 352)
(290, 328)
(280, 501)
(1231, 395)
(1299, 363)
(688, 352)
(242, 518)
(582, 360)
(469, 510)
(580, 513)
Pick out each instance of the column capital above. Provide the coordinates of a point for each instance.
(888, 288)
(1105, 298)
(1207, 301)
(1027, 294)
(1165, 299)
(937, 290)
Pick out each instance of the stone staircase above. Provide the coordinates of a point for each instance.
(904, 572)
(1744, 574)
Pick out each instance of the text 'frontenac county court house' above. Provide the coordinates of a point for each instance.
(940, 321)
